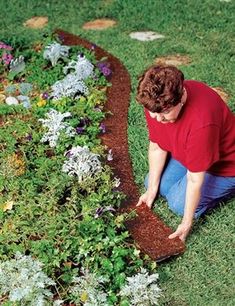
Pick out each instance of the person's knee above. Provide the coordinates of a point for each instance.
(176, 202)
(164, 188)
(176, 208)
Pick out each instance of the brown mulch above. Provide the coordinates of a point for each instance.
(147, 229)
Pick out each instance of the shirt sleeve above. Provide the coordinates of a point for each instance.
(202, 148)
(151, 132)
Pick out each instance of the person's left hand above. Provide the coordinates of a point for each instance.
(182, 231)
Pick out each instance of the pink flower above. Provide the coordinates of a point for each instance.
(4, 46)
(6, 58)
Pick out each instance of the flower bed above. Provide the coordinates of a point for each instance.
(59, 197)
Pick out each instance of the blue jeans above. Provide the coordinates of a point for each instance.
(173, 187)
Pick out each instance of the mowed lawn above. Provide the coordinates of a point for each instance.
(202, 30)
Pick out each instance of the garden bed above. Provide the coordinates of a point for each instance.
(61, 203)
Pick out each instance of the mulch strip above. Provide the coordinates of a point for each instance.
(147, 229)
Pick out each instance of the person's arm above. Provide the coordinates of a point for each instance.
(157, 159)
(193, 193)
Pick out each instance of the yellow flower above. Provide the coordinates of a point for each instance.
(14, 165)
(8, 205)
(41, 102)
(84, 297)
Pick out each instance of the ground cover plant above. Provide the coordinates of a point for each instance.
(62, 239)
(202, 30)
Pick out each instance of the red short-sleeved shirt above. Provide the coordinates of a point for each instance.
(203, 136)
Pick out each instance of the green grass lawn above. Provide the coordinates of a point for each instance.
(204, 30)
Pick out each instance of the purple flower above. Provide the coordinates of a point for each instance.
(93, 46)
(106, 71)
(82, 125)
(68, 154)
(99, 211)
(61, 37)
(104, 68)
(45, 95)
(102, 128)
(29, 137)
(100, 65)
(80, 130)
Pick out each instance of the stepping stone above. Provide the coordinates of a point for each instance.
(175, 60)
(146, 36)
(222, 93)
(99, 24)
(107, 2)
(36, 22)
(11, 101)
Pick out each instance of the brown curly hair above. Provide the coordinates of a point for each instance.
(160, 88)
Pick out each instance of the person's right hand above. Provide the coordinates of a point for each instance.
(148, 198)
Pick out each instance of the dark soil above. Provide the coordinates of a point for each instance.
(147, 229)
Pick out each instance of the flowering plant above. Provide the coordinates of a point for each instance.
(5, 54)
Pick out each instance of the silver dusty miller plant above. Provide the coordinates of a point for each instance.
(89, 289)
(55, 51)
(81, 163)
(73, 84)
(83, 68)
(17, 65)
(142, 289)
(54, 123)
(69, 87)
(23, 281)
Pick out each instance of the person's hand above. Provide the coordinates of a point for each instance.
(182, 231)
(148, 198)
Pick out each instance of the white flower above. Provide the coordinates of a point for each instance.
(81, 163)
(58, 302)
(55, 125)
(116, 182)
(110, 155)
(55, 51)
(142, 289)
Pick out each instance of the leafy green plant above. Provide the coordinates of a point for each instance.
(23, 280)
